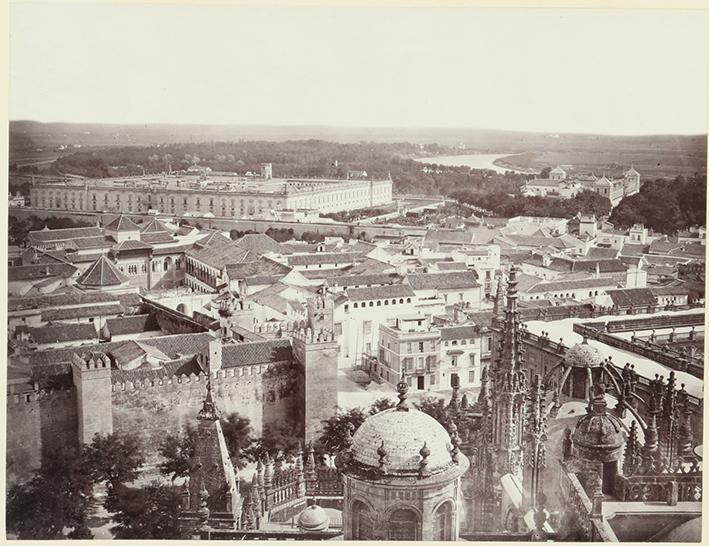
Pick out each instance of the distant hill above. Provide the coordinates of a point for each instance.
(658, 155)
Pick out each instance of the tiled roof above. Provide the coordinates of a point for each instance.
(102, 273)
(186, 366)
(380, 292)
(214, 237)
(180, 344)
(669, 291)
(458, 332)
(49, 315)
(132, 245)
(633, 250)
(445, 281)
(258, 268)
(274, 301)
(130, 350)
(553, 286)
(324, 258)
(62, 333)
(631, 297)
(76, 258)
(220, 255)
(59, 300)
(156, 237)
(153, 226)
(34, 256)
(131, 324)
(45, 236)
(448, 237)
(574, 266)
(451, 266)
(602, 253)
(260, 243)
(364, 280)
(173, 249)
(256, 352)
(91, 242)
(663, 246)
(32, 272)
(122, 223)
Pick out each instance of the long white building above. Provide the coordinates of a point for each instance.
(222, 195)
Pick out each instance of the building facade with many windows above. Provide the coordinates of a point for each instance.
(218, 195)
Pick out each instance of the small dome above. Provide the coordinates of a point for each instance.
(582, 355)
(403, 434)
(313, 518)
(598, 434)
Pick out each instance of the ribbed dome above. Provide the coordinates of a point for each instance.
(602, 432)
(313, 518)
(403, 434)
(582, 355)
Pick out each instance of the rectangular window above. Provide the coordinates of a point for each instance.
(471, 376)
(420, 346)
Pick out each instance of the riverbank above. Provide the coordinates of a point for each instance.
(514, 163)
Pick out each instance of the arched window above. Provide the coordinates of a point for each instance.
(401, 300)
(362, 524)
(355, 305)
(404, 525)
(443, 522)
(408, 300)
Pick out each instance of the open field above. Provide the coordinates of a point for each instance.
(653, 162)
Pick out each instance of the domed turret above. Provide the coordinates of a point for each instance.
(395, 456)
(583, 355)
(599, 435)
(313, 518)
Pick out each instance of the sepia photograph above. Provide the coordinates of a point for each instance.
(319, 271)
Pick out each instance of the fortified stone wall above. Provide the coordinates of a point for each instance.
(267, 394)
(38, 422)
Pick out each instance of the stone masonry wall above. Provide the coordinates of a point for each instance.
(266, 394)
(37, 422)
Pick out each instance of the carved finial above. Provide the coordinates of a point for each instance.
(425, 453)
(403, 388)
(383, 458)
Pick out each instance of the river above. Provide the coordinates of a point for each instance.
(474, 161)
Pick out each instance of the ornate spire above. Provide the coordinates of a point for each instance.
(209, 411)
(498, 308)
(403, 388)
(632, 450)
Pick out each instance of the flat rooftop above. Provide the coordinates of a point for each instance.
(209, 183)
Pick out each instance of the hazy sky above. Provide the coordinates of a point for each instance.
(622, 71)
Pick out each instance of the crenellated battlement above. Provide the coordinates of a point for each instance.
(91, 361)
(178, 382)
(280, 328)
(308, 335)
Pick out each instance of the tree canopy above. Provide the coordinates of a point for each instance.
(665, 206)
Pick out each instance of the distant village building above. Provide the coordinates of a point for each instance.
(562, 184)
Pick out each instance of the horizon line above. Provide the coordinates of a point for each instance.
(360, 127)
